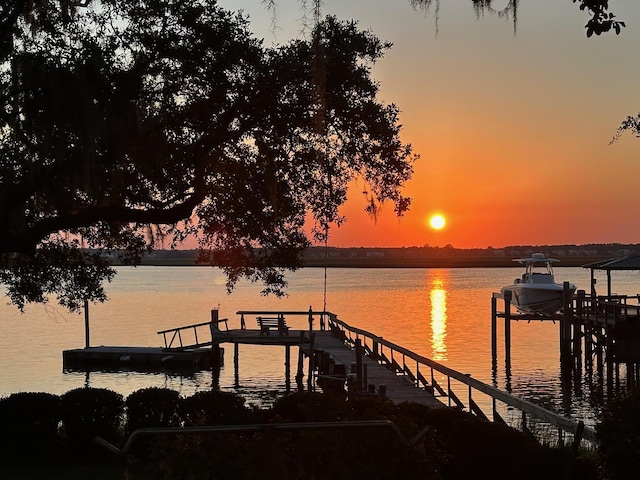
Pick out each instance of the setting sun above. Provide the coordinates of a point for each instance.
(437, 221)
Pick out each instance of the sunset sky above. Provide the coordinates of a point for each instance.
(513, 130)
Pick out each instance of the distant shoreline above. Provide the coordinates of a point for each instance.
(424, 257)
(455, 262)
(441, 262)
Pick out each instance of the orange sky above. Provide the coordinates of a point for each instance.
(512, 130)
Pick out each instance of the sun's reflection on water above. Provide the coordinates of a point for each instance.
(438, 298)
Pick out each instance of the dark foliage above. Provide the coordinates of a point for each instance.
(91, 412)
(29, 425)
(619, 436)
(140, 123)
(215, 408)
(153, 407)
(456, 445)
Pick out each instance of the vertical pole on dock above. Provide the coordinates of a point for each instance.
(494, 329)
(86, 323)
(577, 327)
(214, 321)
(359, 363)
(287, 368)
(507, 327)
(588, 348)
(608, 332)
(300, 373)
(311, 362)
(215, 347)
(565, 322)
(565, 335)
(236, 367)
(600, 338)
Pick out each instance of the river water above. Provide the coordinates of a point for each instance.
(443, 314)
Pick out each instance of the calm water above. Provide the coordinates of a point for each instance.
(443, 314)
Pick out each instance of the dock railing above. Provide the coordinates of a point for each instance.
(606, 309)
(175, 335)
(310, 314)
(420, 370)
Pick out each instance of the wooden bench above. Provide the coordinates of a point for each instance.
(267, 324)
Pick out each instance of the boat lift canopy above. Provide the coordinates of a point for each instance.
(628, 262)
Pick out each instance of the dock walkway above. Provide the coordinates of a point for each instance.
(398, 388)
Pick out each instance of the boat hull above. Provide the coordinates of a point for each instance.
(546, 299)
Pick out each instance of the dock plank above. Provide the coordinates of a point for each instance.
(399, 387)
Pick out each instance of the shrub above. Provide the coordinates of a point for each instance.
(153, 407)
(310, 407)
(215, 408)
(619, 435)
(91, 412)
(29, 424)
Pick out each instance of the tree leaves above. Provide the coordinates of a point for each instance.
(169, 113)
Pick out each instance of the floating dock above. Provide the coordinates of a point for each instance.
(137, 358)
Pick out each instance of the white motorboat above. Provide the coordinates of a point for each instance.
(537, 291)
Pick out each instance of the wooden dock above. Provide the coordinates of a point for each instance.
(397, 388)
(337, 356)
(604, 328)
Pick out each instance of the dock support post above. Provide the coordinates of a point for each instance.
(494, 330)
(86, 323)
(577, 327)
(600, 338)
(588, 349)
(375, 350)
(287, 368)
(609, 356)
(507, 327)
(236, 361)
(214, 322)
(359, 364)
(300, 373)
(311, 362)
(382, 391)
(565, 322)
(365, 376)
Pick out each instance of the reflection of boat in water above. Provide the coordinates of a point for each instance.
(537, 291)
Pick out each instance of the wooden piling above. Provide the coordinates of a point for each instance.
(494, 329)
(236, 361)
(588, 348)
(359, 364)
(565, 325)
(300, 373)
(311, 366)
(507, 326)
(287, 368)
(86, 323)
(577, 327)
(382, 391)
